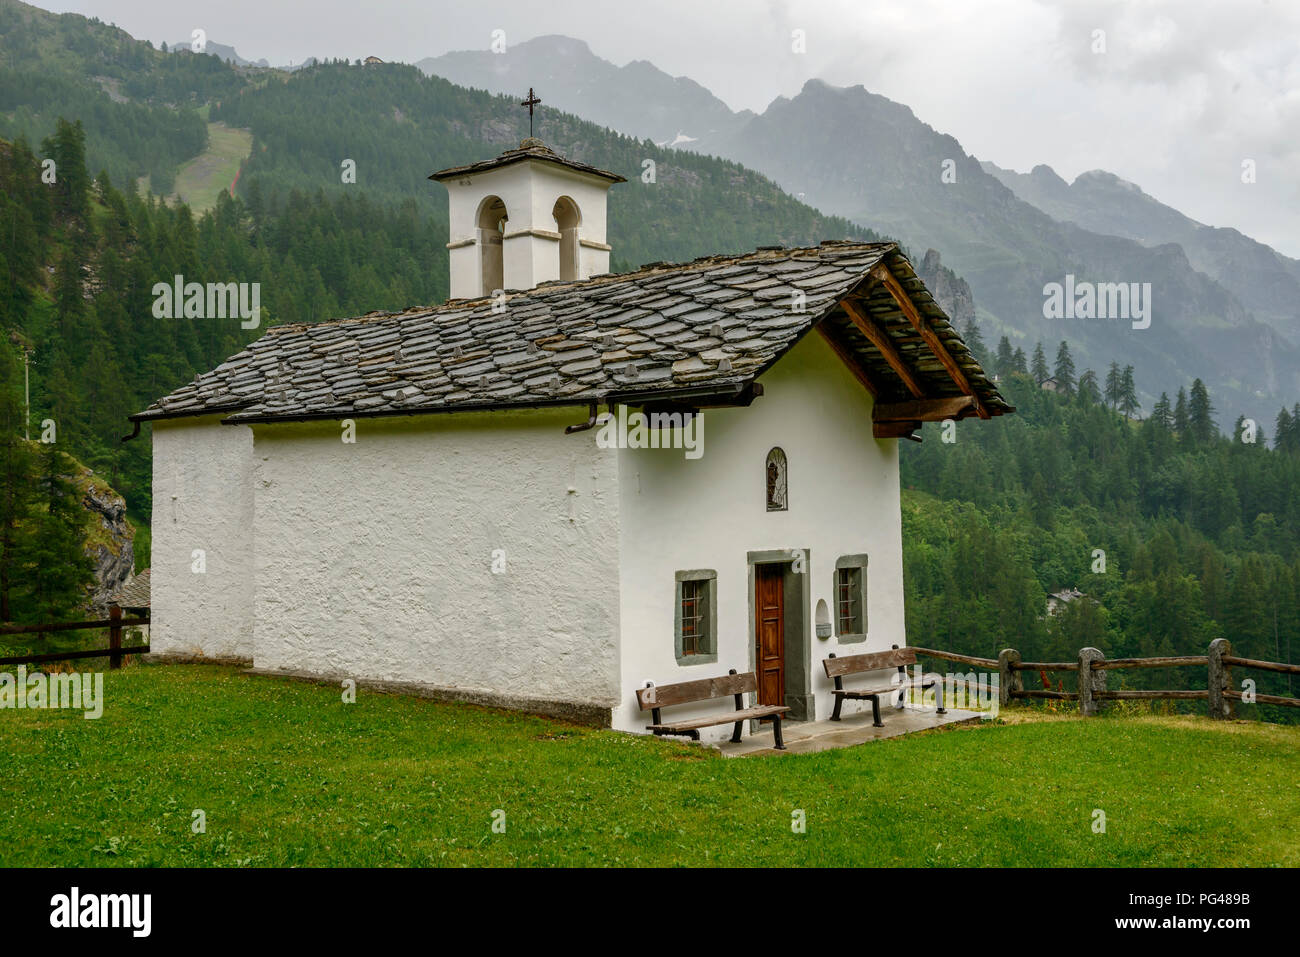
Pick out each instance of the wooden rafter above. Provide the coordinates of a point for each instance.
(880, 339)
(887, 279)
(849, 360)
(923, 410)
(895, 430)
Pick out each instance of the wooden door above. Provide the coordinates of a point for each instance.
(769, 629)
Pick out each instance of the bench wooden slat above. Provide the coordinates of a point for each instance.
(876, 661)
(886, 689)
(728, 717)
(665, 696)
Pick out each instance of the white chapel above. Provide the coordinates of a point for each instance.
(435, 500)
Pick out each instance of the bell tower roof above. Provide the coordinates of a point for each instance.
(530, 148)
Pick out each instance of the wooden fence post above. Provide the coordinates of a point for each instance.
(1008, 678)
(115, 637)
(1090, 680)
(1222, 707)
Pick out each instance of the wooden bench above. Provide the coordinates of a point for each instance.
(898, 658)
(655, 697)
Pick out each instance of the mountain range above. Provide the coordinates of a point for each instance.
(1224, 307)
(990, 241)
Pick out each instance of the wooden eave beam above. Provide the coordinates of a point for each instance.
(887, 279)
(895, 430)
(924, 410)
(849, 360)
(880, 339)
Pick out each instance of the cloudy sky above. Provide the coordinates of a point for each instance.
(1184, 92)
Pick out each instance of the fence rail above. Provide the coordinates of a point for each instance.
(1092, 668)
(114, 652)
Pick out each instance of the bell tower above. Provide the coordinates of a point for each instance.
(527, 216)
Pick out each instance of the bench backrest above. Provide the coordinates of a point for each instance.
(665, 696)
(876, 661)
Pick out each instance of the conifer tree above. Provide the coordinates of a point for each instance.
(1064, 371)
(1181, 421)
(1114, 385)
(1200, 414)
(1089, 392)
(57, 572)
(1128, 399)
(1038, 368)
(1005, 363)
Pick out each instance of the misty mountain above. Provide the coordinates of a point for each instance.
(639, 99)
(1262, 279)
(872, 160)
(220, 50)
(1224, 307)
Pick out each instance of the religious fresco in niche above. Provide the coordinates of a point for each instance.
(776, 481)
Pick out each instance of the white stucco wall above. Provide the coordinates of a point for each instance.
(529, 190)
(374, 559)
(202, 500)
(709, 513)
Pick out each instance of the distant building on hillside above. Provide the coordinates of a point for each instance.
(372, 59)
(1059, 599)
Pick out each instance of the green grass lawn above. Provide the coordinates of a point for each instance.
(289, 775)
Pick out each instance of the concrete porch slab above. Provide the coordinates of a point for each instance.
(809, 737)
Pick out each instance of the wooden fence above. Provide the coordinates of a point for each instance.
(1092, 667)
(114, 652)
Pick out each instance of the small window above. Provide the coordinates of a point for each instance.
(777, 498)
(847, 591)
(696, 617)
(851, 598)
(695, 598)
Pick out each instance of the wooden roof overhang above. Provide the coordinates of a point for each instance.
(901, 347)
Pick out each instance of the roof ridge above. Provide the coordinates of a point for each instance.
(553, 285)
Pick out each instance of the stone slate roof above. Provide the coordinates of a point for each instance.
(135, 593)
(666, 330)
(529, 148)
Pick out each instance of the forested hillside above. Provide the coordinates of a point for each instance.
(1175, 534)
(1200, 533)
(79, 256)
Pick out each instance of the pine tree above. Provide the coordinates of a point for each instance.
(1018, 362)
(1282, 431)
(1114, 385)
(57, 572)
(1200, 414)
(1162, 414)
(15, 481)
(1064, 372)
(1038, 368)
(1181, 421)
(1089, 392)
(975, 342)
(67, 147)
(1128, 399)
(1004, 365)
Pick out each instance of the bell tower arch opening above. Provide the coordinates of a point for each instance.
(492, 219)
(568, 219)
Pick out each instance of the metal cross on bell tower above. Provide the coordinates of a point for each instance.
(530, 103)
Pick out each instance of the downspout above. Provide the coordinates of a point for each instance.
(128, 438)
(583, 426)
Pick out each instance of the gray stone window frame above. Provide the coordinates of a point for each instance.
(850, 561)
(710, 655)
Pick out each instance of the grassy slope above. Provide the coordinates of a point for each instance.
(199, 180)
(288, 775)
